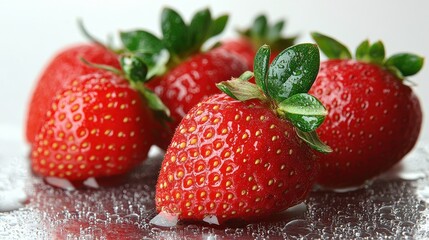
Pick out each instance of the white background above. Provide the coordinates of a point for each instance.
(33, 31)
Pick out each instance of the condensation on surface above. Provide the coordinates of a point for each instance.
(394, 206)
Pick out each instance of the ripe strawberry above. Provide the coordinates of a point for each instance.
(98, 126)
(374, 119)
(63, 69)
(182, 74)
(240, 158)
(258, 34)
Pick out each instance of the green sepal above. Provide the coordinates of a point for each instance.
(406, 63)
(175, 31)
(331, 47)
(148, 48)
(396, 72)
(261, 32)
(133, 68)
(377, 52)
(261, 65)
(304, 111)
(199, 28)
(246, 76)
(313, 140)
(259, 27)
(273, 33)
(293, 71)
(362, 51)
(241, 89)
(218, 25)
(153, 101)
(141, 41)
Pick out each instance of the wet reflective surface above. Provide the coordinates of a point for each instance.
(394, 206)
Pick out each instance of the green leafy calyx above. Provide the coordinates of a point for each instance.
(135, 72)
(179, 39)
(284, 84)
(261, 32)
(402, 65)
(143, 57)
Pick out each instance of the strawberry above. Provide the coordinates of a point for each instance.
(252, 38)
(238, 156)
(60, 72)
(98, 126)
(181, 73)
(374, 119)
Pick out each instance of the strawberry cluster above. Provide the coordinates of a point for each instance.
(240, 144)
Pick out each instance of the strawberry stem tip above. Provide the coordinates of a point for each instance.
(284, 85)
(401, 65)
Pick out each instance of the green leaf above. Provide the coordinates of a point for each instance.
(153, 101)
(241, 91)
(408, 64)
(141, 41)
(304, 111)
(261, 63)
(175, 31)
(134, 69)
(259, 27)
(377, 52)
(293, 71)
(218, 25)
(313, 141)
(147, 47)
(274, 32)
(199, 28)
(395, 72)
(362, 51)
(246, 76)
(331, 47)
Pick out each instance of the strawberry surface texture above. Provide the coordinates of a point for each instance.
(247, 153)
(60, 71)
(374, 118)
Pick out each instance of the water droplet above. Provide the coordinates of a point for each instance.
(211, 219)
(165, 219)
(91, 182)
(60, 182)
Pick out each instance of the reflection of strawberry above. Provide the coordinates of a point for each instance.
(98, 126)
(374, 118)
(63, 69)
(261, 32)
(242, 158)
(188, 74)
(75, 229)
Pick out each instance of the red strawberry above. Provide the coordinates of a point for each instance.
(191, 81)
(63, 69)
(374, 118)
(98, 126)
(188, 74)
(252, 38)
(241, 159)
